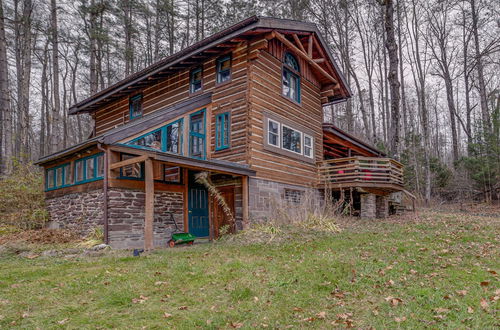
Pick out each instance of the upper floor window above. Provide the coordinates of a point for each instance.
(222, 131)
(89, 168)
(273, 131)
(197, 135)
(285, 139)
(224, 69)
(195, 84)
(291, 78)
(167, 138)
(292, 139)
(135, 107)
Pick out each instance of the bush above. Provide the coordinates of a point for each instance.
(22, 203)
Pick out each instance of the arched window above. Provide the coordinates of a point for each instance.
(291, 77)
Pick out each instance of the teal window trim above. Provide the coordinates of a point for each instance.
(199, 135)
(164, 136)
(54, 177)
(84, 166)
(162, 180)
(221, 134)
(219, 69)
(131, 100)
(192, 82)
(291, 69)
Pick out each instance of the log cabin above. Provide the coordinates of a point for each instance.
(244, 105)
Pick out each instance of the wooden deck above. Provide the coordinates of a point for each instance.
(385, 174)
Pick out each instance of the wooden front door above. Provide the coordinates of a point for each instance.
(198, 223)
(221, 219)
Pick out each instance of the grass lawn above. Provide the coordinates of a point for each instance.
(438, 269)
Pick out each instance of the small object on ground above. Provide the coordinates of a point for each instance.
(100, 247)
(180, 237)
(137, 252)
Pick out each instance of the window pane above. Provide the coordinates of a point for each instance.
(273, 133)
(196, 80)
(100, 166)
(90, 168)
(308, 146)
(224, 70)
(226, 132)
(59, 177)
(152, 140)
(286, 83)
(291, 140)
(173, 138)
(133, 170)
(79, 171)
(291, 62)
(196, 146)
(50, 178)
(172, 174)
(68, 174)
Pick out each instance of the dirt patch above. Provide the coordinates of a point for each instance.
(41, 236)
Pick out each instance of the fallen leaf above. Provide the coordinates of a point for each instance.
(183, 308)
(462, 292)
(256, 299)
(484, 304)
(413, 271)
(140, 300)
(491, 271)
(63, 321)
(297, 309)
(160, 283)
(390, 283)
(441, 310)
(485, 283)
(470, 310)
(393, 301)
(167, 315)
(321, 315)
(236, 325)
(25, 315)
(400, 319)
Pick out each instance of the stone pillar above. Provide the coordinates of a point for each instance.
(368, 206)
(382, 207)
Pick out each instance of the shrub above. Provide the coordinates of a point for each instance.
(22, 203)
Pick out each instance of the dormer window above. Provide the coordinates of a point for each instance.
(291, 78)
(135, 107)
(195, 80)
(224, 69)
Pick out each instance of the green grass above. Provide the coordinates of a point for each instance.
(310, 280)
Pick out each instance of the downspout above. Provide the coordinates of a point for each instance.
(105, 193)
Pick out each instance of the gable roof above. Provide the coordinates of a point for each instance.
(204, 49)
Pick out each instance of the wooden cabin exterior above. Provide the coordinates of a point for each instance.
(244, 105)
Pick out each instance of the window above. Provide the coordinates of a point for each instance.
(132, 171)
(308, 146)
(291, 78)
(222, 131)
(273, 133)
(195, 80)
(151, 140)
(174, 136)
(87, 169)
(292, 140)
(197, 135)
(50, 179)
(293, 196)
(135, 107)
(171, 174)
(68, 174)
(224, 69)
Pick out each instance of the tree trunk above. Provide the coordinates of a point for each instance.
(5, 110)
(56, 111)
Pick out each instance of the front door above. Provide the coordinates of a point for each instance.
(198, 223)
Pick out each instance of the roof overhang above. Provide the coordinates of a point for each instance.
(204, 49)
(337, 143)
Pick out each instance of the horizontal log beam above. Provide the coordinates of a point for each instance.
(130, 161)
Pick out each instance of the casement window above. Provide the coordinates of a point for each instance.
(68, 174)
(308, 146)
(135, 107)
(89, 169)
(224, 69)
(291, 139)
(197, 135)
(222, 131)
(50, 179)
(132, 171)
(273, 133)
(171, 174)
(291, 78)
(195, 78)
(167, 138)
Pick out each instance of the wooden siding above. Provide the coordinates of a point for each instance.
(266, 97)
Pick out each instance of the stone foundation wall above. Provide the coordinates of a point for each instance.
(368, 206)
(80, 212)
(382, 207)
(264, 195)
(126, 217)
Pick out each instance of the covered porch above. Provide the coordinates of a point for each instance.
(146, 190)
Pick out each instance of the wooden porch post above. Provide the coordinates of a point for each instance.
(244, 196)
(149, 205)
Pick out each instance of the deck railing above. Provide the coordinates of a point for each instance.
(361, 170)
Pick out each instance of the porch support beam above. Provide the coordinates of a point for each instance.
(244, 195)
(130, 161)
(149, 205)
